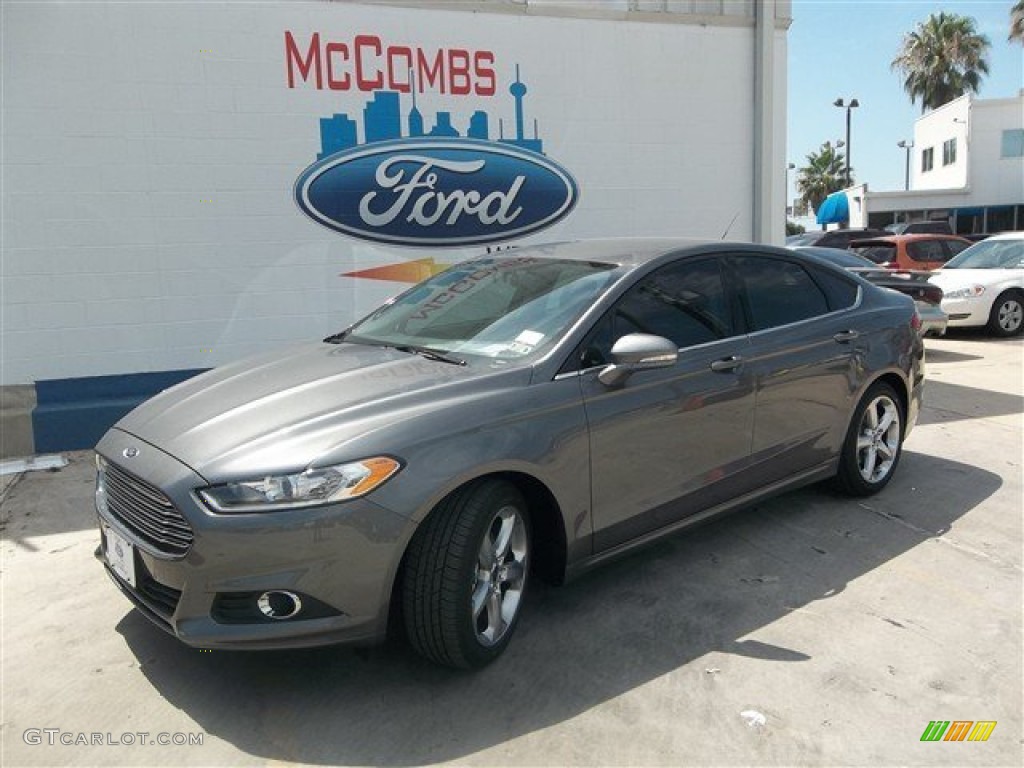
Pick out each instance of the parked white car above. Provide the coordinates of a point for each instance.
(984, 285)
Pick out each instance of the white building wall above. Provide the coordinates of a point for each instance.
(931, 132)
(150, 152)
(995, 179)
(980, 178)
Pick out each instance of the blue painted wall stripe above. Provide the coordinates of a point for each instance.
(73, 414)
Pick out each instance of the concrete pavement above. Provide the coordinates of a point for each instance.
(812, 629)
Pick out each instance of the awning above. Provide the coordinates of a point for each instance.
(834, 209)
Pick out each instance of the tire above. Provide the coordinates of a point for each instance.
(1007, 315)
(465, 575)
(873, 443)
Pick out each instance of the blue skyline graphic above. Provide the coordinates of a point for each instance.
(382, 121)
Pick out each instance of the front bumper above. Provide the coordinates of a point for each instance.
(341, 558)
(972, 311)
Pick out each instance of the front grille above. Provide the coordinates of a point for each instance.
(146, 511)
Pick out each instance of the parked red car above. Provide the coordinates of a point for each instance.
(923, 251)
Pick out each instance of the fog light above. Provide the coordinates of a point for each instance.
(279, 604)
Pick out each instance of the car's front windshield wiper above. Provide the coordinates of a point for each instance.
(336, 338)
(430, 354)
(412, 349)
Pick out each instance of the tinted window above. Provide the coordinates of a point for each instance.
(685, 303)
(840, 292)
(926, 250)
(955, 246)
(881, 253)
(778, 292)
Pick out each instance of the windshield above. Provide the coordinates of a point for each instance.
(990, 254)
(498, 307)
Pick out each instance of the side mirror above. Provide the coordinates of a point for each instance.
(638, 352)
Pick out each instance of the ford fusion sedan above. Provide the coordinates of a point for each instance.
(527, 414)
(984, 285)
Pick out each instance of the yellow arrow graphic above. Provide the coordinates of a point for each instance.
(405, 272)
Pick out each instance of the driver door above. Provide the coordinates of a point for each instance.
(669, 442)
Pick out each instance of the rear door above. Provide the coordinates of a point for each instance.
(805, 345)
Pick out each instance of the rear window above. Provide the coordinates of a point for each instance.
(879, 253)
(926, 250)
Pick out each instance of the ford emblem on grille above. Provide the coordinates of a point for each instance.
(436, 192)
(130, 453)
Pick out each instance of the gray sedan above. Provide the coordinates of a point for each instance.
(527, 414)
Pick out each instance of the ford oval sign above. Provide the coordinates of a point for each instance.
(436, 192)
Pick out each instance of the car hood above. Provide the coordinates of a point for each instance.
(299, 407)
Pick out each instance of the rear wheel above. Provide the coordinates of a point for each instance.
(466, 573)
(1007, 315)
(873, 443)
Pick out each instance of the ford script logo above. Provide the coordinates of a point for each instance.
(436, 192)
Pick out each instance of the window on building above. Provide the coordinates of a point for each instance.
(1000, 219)
(928, 159)
(1013, 143)
(949, 152)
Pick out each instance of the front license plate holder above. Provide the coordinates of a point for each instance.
(120, 555)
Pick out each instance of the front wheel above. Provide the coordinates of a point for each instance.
(466, 573)
(873, 443)
(1007, 316)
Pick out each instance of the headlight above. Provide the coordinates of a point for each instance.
(969, 292)
(301, 489)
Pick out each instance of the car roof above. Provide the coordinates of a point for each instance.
(624, 251)
(1006, 236)
(839, 256)
(911, 238)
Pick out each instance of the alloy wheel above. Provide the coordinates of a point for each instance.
(878, 439)
(500, 576)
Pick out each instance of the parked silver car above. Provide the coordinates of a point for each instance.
(529, 413)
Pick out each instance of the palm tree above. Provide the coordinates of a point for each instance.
(942, 59)
(1017, 22)
(823, 175)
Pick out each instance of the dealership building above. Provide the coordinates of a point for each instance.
(188, 183)
(965, 166)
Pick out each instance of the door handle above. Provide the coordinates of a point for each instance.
(845, 336)
(727, 364)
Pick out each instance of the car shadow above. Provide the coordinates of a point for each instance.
(577, 646)
(938, 355)
(955, 402)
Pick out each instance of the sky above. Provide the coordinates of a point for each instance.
(840, 49)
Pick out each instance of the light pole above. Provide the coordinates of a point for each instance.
(852, 105)
(907, 145)
(789, 167)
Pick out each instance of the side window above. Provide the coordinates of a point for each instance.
(686, 303)
(778, 292)
(926, 250)
(682, 302)
(840, 292)
(954, 247)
